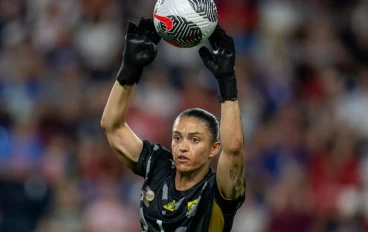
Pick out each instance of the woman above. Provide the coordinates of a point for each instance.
(181, 192)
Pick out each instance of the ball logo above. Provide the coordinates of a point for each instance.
(165, 20)
(185, 23)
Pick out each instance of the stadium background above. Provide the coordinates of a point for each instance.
(303, 91)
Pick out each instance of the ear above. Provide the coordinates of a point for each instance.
(216, 146)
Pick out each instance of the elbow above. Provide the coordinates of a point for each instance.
(108, 126)
(234, 151)
(235, 147)
(103, 123)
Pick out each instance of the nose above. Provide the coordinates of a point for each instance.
(183, 146)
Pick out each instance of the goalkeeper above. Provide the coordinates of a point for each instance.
(181, 193)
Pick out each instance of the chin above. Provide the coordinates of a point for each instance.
(183, 168)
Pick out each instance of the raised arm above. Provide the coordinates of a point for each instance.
(230, 168)
(140, 50)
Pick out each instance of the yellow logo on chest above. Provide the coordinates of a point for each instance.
(192, 204)
(170, 206)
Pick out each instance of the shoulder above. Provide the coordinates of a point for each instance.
(155, 148)
(154, 157)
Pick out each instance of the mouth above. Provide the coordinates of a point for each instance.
(182, 159)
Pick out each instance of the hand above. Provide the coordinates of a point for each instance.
(222, 61)
(139, 51)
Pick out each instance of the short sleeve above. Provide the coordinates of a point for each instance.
(228, 206)
(152, 159)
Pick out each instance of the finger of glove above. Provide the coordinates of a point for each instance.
(218, 38)
(131, 28)
(148, 27)
(155, 37)
(208, 58)
(141, 26)
(213, 43)
(229, 45)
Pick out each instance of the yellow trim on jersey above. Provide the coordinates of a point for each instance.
(217, 220)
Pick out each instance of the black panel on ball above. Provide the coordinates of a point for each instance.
(206, 9)
(183, 33)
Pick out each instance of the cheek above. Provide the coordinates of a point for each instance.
(201, 153)
(174, 148)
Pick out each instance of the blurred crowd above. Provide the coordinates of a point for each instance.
(302, 71)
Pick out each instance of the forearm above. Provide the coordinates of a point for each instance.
(230, 168)
(231, 130)
(114, 115)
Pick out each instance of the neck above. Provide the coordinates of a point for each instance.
(184, 181)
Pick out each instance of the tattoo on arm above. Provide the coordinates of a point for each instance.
(237, 176)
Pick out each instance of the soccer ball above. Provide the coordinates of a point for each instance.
(185, 23)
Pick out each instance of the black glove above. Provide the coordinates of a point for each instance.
(221, 63)
(139, 51)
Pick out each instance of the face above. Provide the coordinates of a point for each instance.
(192, 144)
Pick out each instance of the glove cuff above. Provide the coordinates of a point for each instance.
(227, 89)
(129, 75)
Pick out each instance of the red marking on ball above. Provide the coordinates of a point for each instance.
(165, 20)
(173, 43)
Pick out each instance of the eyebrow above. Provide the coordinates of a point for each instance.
(190, 134)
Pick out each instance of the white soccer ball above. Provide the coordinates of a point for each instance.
(185, 23)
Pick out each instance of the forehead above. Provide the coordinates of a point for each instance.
(189, 125)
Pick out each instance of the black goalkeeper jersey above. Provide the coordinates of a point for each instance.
(164, 209)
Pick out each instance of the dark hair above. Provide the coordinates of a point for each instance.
(206, 117)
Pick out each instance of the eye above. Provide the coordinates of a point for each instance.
(195, 140)
(176, 137)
